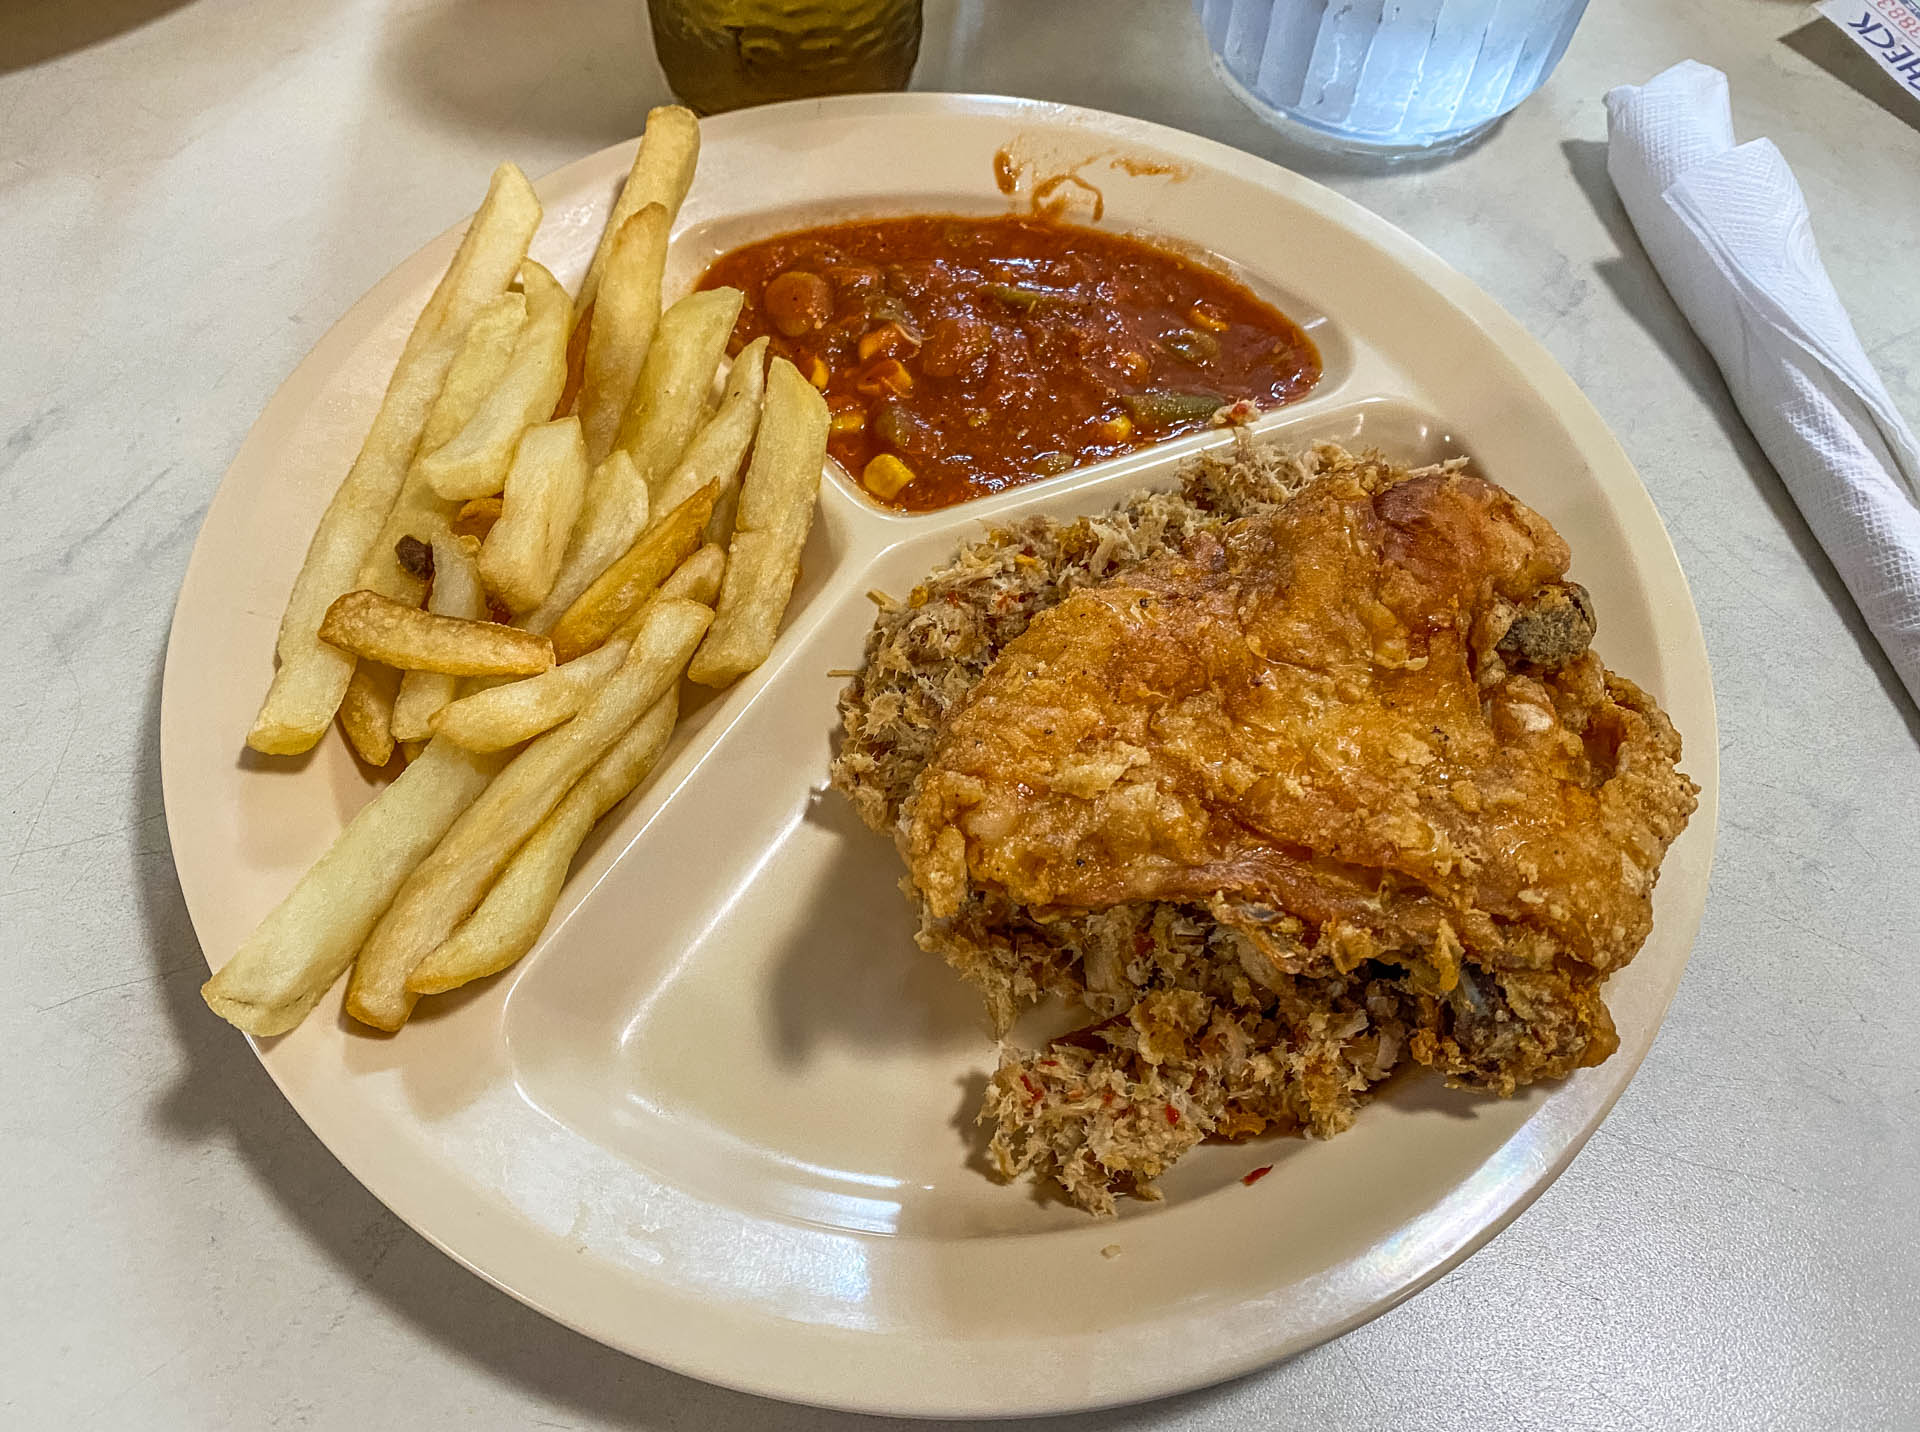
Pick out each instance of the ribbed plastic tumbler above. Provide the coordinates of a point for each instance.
(1392, 78)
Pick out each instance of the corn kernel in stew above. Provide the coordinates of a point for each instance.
(885, 476)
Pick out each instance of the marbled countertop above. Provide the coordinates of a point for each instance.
(191, 191)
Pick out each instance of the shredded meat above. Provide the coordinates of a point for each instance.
(1287, 777)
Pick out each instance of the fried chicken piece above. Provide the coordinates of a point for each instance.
(1362, 732)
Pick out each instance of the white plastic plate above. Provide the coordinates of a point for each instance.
(721, 1116)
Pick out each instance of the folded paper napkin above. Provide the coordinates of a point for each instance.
(1726, 226)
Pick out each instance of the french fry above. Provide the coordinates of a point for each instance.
(476, 517)
(448, 884)
(624, 588)
(508, 922)
(625, 312)
(420, 512)
(545, 489)
(473, 463)
(312, 676)
(477, 369)
(777, 499)
(503, 716)
(661, 173)
(719, 450)
(456, 593)
(366, 711)
(671, 392)
(613, 517)
(294, 955)
(697, 579)
(576, 362)
(381, 629)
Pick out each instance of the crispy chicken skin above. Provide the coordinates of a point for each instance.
(1312, 712)
(1330, 781)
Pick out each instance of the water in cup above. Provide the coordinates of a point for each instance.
(1386, 76)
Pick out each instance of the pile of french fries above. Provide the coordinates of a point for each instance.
(550, 524)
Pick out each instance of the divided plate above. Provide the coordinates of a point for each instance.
(720, 1118)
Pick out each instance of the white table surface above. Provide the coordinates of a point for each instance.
(191, 191)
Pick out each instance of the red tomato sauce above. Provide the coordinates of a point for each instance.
(964, 356)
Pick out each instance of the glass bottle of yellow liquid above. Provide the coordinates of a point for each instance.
(726, 54)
